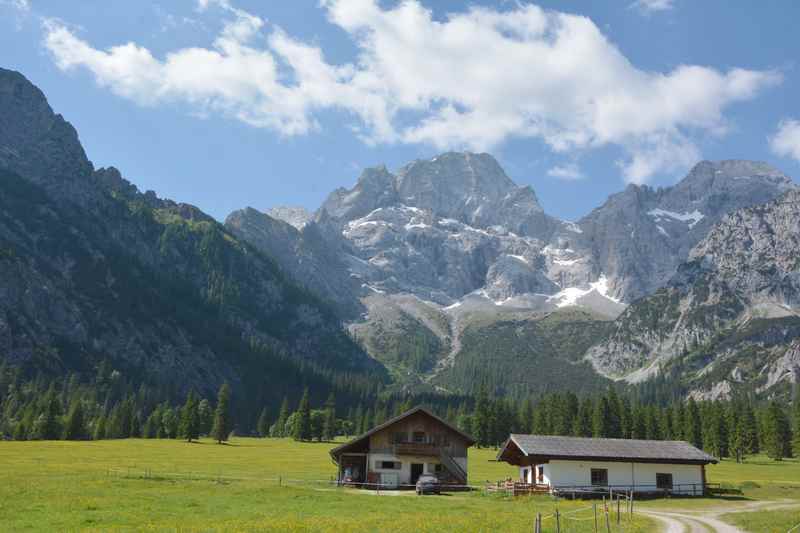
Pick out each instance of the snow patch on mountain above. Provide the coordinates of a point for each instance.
(571, 295)
(692, 218)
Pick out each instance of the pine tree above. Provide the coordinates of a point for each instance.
(777, 432)
(75, 427)
(329, 425)
(652, 427)
(100, 428)
(190, 419)
(124, 419)
(639, 427)
(525, 416)
(626, 418)
(152, 424)
(737, 441)
(601, 419)
(614, 410)
(481, 418)
(136, 426)
(262, 426)
(222, 416)
(205, 415)
(283, 416)
(693, 429)
(47, 426)
(679, 421)
(582, 427)
(302, 426)
(749, 431)
(665, 422)
(541, 417)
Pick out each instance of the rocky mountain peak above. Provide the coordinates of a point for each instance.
(296, 216)
(454, 184)
(35, 142)
(374, 188)
(712, 183)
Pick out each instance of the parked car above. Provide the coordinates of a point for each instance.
(428, 484)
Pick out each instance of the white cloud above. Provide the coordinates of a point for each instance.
(652, 6)
(472, 79)
(21, 5)
(568, 172)
(786, 141)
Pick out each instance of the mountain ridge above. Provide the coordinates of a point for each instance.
(96, 272)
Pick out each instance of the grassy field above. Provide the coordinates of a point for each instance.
(161, 485)
(766, 521)
(170, 485)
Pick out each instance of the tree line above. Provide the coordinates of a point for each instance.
(734, 428)
(72, 410)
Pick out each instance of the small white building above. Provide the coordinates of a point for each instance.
(577, 464)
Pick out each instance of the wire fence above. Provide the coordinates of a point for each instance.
(279, 480)
(602, 514)
(610, 513)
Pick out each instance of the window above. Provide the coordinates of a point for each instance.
(664, 481)
(540, 474)
(398, 437)
(599, 477)
(388, 465)
(435, 468)
(419, 437)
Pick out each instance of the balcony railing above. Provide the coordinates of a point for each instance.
(418, 448)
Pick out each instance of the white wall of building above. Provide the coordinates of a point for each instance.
(560, 473)
(404, 473)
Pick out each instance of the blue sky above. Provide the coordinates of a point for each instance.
(233, 103)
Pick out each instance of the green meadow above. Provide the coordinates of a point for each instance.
(281, 485)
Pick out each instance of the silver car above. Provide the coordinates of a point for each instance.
(427, 484)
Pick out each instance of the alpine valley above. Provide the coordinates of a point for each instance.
(438, 277)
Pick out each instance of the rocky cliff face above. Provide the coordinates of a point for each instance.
(312, 259)
(449, 227)
(741, 282)
(640, 236)
(91, 270)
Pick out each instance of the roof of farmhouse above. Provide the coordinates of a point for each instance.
(580, 448)
(335, 452)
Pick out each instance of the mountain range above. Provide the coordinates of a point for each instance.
(441, 275)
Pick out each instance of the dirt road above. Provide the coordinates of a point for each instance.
(707, 520)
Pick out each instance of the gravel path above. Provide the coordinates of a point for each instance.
(694, 521)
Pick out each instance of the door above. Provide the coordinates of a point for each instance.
(416, 471)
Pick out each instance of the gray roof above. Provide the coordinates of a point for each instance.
(673, 451)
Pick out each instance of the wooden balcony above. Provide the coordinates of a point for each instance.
(416, 448)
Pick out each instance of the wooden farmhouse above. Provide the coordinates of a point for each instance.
(395, 453)
(576, 464)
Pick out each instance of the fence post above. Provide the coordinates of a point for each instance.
(618, 504)
(608, 522)
(537, 524)
(631, 504)
(558, 521)
(594, 509)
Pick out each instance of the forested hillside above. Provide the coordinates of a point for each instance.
(95, 274)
